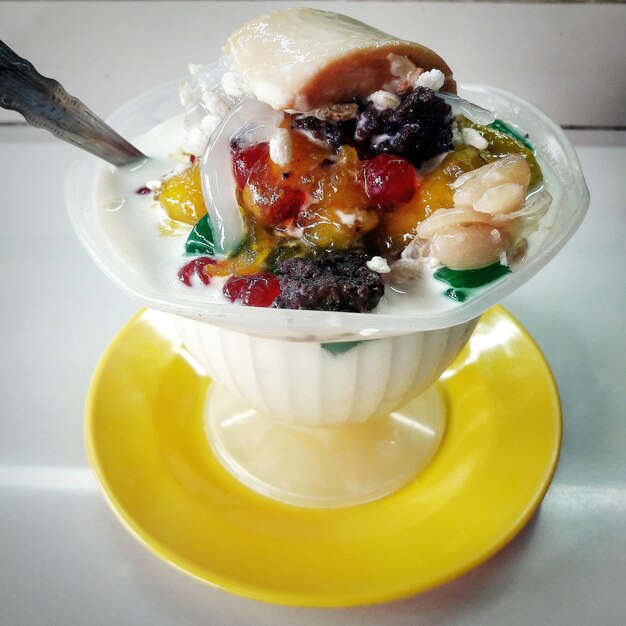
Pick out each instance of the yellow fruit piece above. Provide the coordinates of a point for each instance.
(335, 227)
(181, 196)
(339, 215)
(338, 184)
(250, 258)
(435, 191)
(398, 227)
(286, 248)
(501, 144)
(306, 155)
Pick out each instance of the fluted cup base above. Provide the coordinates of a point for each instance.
(324, 467)
(323, 425)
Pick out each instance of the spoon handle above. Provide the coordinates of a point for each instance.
(45, 104)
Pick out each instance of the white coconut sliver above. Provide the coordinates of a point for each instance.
(518, 225)
(251, 122)
(442, 219)
(502, 199)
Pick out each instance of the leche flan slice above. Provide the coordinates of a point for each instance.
(303, 58)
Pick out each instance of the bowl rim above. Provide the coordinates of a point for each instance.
(331, 326)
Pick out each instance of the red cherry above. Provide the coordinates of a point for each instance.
(253, 290)
(389, 180)
(196, 267)
(244, 160)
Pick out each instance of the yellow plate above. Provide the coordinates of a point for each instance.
(146, 445)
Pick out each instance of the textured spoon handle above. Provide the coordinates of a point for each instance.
(45, 104)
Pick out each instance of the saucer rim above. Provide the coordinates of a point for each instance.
(211, 576)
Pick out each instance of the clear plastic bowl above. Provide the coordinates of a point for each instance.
(566, 184)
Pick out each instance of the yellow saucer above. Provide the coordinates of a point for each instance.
(147, 446)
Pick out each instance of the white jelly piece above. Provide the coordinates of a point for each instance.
(251, 122)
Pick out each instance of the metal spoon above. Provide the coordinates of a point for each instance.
(45, 104)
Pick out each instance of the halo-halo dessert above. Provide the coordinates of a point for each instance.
(316, 174)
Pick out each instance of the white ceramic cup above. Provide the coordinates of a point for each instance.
(323, 425)
(311, 384)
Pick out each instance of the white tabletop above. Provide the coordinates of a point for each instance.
(65, 559)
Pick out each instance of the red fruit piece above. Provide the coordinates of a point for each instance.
(142, 191)
(284, 206)
(389, 180)
(196, 267)
(253, 290)
(270, 202)
(244, 160)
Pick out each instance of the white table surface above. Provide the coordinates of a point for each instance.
(65, 559)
